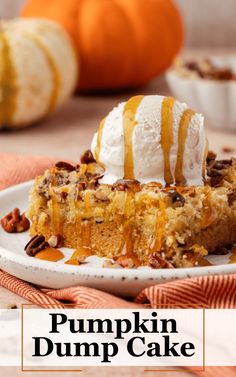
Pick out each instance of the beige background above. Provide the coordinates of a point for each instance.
(208, 22)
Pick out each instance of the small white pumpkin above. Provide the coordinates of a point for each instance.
(38, 70)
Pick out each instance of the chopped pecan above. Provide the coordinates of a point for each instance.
(157, 260)
(82, 184)
(87, 157)
(110, 264)
(232, 197)
(35, 245)
(126, 261)
(127, 184)
(62, 179)
(211, 156)
(93, 184)
(55, 241)
(102, 194)
(14, 222)
(192, 257)
(216, 180)
(64, 166)
(64, 195)
(176, 198)
(222, 250)
(222, 164)
(216, 170)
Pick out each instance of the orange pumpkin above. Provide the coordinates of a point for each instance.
(121, 43)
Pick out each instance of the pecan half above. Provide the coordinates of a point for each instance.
(55, 241)
(102, 194)
(87, 157)
(127, 184)
(176, 198)
(65, 166)
(14, 222)
(156, 260)
(35, 245)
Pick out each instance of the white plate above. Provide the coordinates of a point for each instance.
(123, 282)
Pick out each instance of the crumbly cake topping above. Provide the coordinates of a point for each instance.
(85, 176)
(68, 194)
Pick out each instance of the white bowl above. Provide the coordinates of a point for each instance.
(215, 99)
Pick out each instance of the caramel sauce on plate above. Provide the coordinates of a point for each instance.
(182, 135)
(82, 251)
(74, 262)
(50, 254)
(232, 257)
(167, 136)
(204, 262)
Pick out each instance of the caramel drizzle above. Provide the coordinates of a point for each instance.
(205, 159)
(182, 135)
(128, 238)
(54, 71)
(85, 226)
(56, 214)
(167, 136)
(129, 124)
(99, 140)
(84, 249)
(160, 226)
(127, 246)
(8, 85)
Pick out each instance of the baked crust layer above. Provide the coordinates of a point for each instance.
(148, 224)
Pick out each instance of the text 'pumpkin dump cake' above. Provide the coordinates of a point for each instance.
(149, 193)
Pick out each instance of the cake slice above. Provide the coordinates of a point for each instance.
(170, 215)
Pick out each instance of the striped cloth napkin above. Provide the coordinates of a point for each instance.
(208, 291)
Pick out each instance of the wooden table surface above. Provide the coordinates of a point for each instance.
(66, 135)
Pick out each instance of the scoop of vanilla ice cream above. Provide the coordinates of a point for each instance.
(148, 157)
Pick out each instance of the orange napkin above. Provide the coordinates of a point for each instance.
(207, 291)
